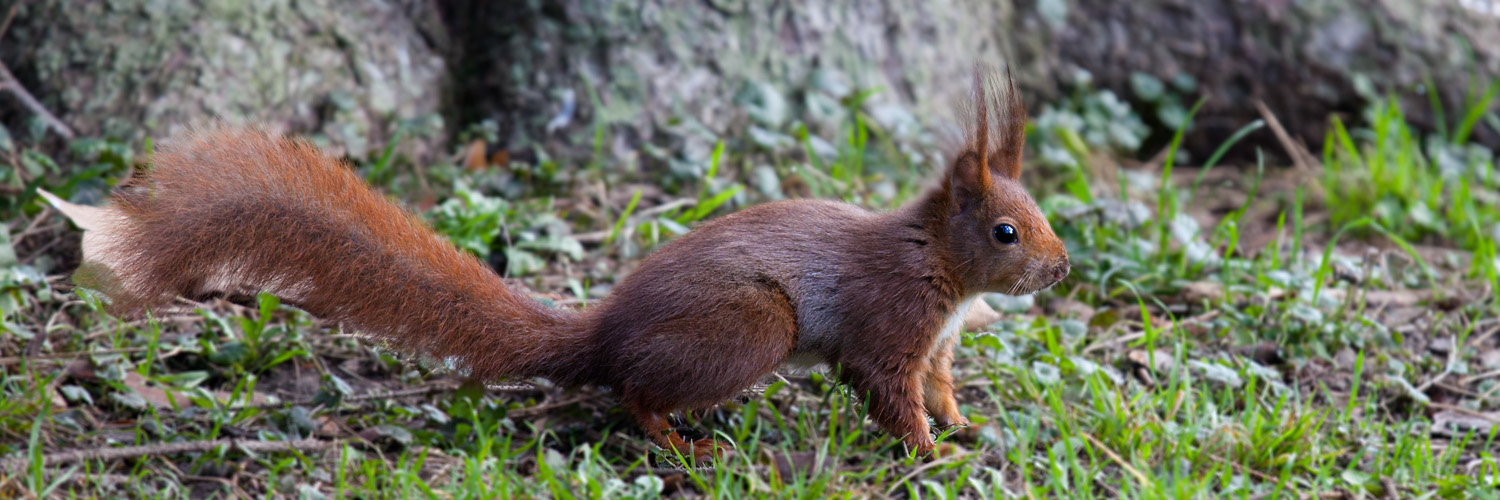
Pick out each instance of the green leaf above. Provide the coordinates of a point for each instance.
(1147, 87)
(520, 262)
(7, 252)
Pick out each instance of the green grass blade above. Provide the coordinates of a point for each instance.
(620, 222)
(1475, 112)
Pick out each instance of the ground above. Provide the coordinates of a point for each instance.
(1325, 329)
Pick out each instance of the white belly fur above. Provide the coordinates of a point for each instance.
(954, 324)
(805, 360)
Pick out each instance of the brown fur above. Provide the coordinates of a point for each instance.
(701, 319)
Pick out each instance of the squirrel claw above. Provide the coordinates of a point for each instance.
(704, 450)
(954, 421)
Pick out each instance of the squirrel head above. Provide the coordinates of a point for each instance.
(1000, 241)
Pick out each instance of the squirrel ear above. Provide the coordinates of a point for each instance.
(969, 179)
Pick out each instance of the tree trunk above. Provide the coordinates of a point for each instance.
(340, 70)
(668, 76)
(657, 62)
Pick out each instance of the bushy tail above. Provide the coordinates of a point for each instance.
(236, 210)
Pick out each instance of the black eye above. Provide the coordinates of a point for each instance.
(1006, 233)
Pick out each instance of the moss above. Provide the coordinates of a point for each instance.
(132, 69)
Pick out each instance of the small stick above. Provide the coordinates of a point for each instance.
(67, 356)
(400, 393)
(9, 82)
(542, 408)
(1140, 478)
(923, 468)
(1299, 157)
(170, 449)
(1464, 411)
(11, 15)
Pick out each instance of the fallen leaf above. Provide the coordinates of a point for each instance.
(1066, 308)
(1455, 424)
(474, 159)
(1490, 358)
(1199, 291)
(395, 437)
(980, 316)
(158, 397)
(1389, 298)
(155, 396)
(1161, 362)
(500, 158)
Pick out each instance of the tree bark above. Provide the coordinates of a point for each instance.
(341, 70)
(666, 77)
(656, 62)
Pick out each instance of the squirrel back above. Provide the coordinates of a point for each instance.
(241, 210)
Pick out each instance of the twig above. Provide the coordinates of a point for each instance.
(1452, 359)
(1482, 376)
(400, 393)
(542, 408)
(10, 15)
(1479, 339)
(1300, 158)
(35, 222)
(1465, 411)
(171, 449)
(9, 82)
(1141, 478)
(925, 467)
(67, 356)
(1121, 340)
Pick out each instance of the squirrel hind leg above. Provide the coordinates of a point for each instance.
(704, 359)
(660, 431)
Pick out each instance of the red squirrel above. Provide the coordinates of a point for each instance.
(879, 295)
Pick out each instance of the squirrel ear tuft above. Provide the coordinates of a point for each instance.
(995, 122)
(1010, 128)
(994, 136)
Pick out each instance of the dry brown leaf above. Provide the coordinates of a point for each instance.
(1071, 309)
(159, 398)
(1162, 362)
(1389, 298)
(154, 395)
(980, 315)
(1199, 291)
(1455, 424)
(474, 159)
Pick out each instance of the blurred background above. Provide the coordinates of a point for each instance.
(642, 92)
(659, 78)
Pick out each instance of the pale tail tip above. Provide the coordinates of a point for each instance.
(83, 216)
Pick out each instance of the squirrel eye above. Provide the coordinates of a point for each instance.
(1006, 233)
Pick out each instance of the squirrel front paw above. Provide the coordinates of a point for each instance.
(947, 421)
(704, 450)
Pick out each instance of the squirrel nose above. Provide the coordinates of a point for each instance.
(1060, 271)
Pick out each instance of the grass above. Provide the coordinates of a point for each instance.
(1264, 352)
